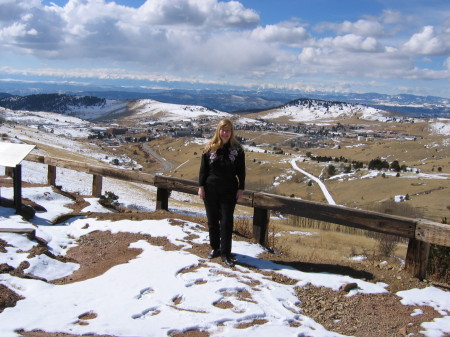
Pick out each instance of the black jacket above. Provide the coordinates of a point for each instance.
(224, 167)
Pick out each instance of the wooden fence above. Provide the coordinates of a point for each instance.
(421, 233)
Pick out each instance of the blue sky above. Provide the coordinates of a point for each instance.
(385, 46)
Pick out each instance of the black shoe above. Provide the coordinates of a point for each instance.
(214, 253)
(228, 261)
(232, 257)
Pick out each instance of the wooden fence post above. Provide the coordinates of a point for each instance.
(261, 218)
(162, 198)
(417, 258)
(9, 171)
(97, 183)
(51, 175)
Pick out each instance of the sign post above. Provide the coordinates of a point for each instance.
(11, 155)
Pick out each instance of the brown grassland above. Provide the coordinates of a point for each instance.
(412, 144)
(273, 173)
(428, 196)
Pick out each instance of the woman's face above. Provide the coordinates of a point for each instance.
(225, 134)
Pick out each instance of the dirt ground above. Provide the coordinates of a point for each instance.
(377, 315)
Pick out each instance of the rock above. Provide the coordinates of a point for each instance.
(346, 287)
(403, 331)
(27, 212)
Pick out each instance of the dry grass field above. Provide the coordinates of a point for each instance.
(273, 173)
(411, 144)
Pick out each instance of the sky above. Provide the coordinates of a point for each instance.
(382, 46)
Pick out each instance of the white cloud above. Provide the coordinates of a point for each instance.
(361, 27)
(447, 63)
(344, 62)
(295, 36)
(197, 13)
(429, 42)
(211, 40)
(356, 43)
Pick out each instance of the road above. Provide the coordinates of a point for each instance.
(317, 180)
(167, 165)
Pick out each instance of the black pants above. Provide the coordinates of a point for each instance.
(220, 204)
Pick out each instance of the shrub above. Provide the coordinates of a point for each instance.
(378, 164)
(243, 226)
(386, 244)
(395, 166)
(331, 170)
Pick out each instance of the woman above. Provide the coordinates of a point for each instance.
(221, 185)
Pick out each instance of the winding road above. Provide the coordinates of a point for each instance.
(167, 165)
(317, 180)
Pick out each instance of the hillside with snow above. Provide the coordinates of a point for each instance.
(307, 110)
(95, 109)
(84, 107)
(147, 110)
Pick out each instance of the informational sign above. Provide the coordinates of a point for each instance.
(12, 154)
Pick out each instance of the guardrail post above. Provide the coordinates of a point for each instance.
(417, 258)
(17, 182)
(51, 175)
(97, 183)
(162, 198)
(261, 218)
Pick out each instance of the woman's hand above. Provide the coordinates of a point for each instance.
(239, 194)
(201, 192)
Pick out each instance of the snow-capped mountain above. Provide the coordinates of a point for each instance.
(141, 111)
(305, 110)
(94, 109)
(84, 107)
(147, 110)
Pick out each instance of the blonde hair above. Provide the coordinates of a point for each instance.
(216, 142)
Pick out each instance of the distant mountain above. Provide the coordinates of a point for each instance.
(307, 109)
(414, 106)
(59, 103)
(233, 99)
(245, 101)
(101, 105)
(85, 107)
(93, 108)
(143, 111)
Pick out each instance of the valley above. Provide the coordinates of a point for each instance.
(283, 157)
(333, 141)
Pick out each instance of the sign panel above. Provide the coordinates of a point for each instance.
(12, 154)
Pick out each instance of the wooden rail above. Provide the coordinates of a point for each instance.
(421, 233)
(30, 232)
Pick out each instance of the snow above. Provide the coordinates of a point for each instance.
(306, 113)
(138, 298)
(110, 107)
(173, 112)
(441, 126)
